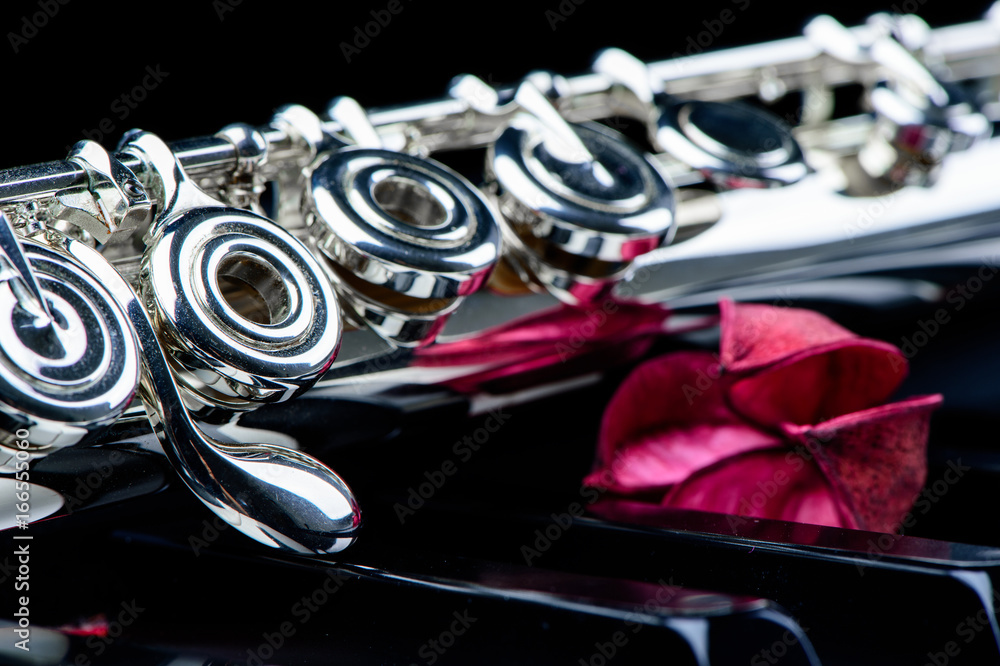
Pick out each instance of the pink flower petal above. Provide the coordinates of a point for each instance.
(662, 459)
(686, 431)
(668, 419)
(819, 385)
(875, 460)
(774, 484)
(677, 389)
(755, 336)
(797, 366)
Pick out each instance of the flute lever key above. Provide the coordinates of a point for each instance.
(279, 497)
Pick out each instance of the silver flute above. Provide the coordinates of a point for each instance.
(186, 285)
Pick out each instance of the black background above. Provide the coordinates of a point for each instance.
(231, 62)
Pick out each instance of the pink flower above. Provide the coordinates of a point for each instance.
(785, 423)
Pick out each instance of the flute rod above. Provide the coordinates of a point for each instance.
(966, 51)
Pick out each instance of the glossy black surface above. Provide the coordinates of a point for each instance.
(461, 548)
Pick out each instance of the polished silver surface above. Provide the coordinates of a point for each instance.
(243, 187)
(277, 496)
(966, 51)
(280, 497)
(236, 311)
(305, 138)
(242, 308)
(402, 222)
(406, 237)
(733, 144)
(303, 131)
(69, 364)
(354, 122)
(737, 145)
(919, 119)
(764, 236)
(23, 282)
(113, 204)
(578, 209)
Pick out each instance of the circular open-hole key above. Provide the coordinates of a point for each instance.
(239, 313)
(243, 308)
(405, 237)
(69, 365)
(579, 202)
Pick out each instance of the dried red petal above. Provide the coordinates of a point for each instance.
(668, 419)
(684, 433)
(755, 336)
(662, 459)
(653, 515)
(776, 483)
(875, 460)
(797, 366)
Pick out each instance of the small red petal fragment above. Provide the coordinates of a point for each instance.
(538, 334)
(546, 346)
(94, 626)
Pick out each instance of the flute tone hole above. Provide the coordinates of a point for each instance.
(253, 288)
(409, 201)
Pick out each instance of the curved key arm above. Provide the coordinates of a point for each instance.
(282, 498)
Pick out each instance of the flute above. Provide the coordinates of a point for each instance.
(199, 280)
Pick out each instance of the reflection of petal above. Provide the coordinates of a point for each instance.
(777, 484)
(876, 460)
(94, 626)
(537, 334)
(653, 515)
(798, 366)
(547, 346)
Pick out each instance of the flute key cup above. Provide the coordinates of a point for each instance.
(194, 331)
(406, 239)
(242, 307)
(733, 145)
(579, 202)
(70, 365)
